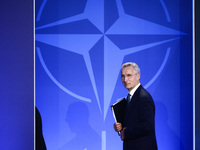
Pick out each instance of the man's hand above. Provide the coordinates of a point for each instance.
(118, 127)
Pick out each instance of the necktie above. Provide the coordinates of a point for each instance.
(128, 98)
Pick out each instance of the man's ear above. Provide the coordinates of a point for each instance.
(138, 76)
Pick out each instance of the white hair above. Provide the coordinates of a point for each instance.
(134, 65)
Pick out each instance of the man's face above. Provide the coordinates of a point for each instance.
(129, 78)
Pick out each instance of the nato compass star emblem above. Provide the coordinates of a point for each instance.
(108, 22)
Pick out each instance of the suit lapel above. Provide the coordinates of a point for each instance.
(134, 98)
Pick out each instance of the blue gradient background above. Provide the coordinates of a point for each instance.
(16, 75)
(197, 75)
(69, 39)
(16, 63)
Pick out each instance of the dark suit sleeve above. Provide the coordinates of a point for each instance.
(40, 143)
(144, 123)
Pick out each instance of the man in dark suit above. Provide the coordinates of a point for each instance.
(138, 128)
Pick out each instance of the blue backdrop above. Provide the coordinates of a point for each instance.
(80, 47)
(16, 75)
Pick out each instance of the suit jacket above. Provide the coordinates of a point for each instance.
(140, 122)
(40, 143)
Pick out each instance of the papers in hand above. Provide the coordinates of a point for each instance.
(118, 110)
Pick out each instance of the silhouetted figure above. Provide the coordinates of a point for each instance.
(40, 143)
(86, 138)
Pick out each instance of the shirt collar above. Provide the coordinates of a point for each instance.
(134, 89)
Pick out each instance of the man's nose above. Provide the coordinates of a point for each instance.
(125, 78)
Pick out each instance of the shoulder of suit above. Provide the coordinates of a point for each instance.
(143, 93)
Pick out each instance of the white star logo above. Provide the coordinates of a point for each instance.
(82, 44)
